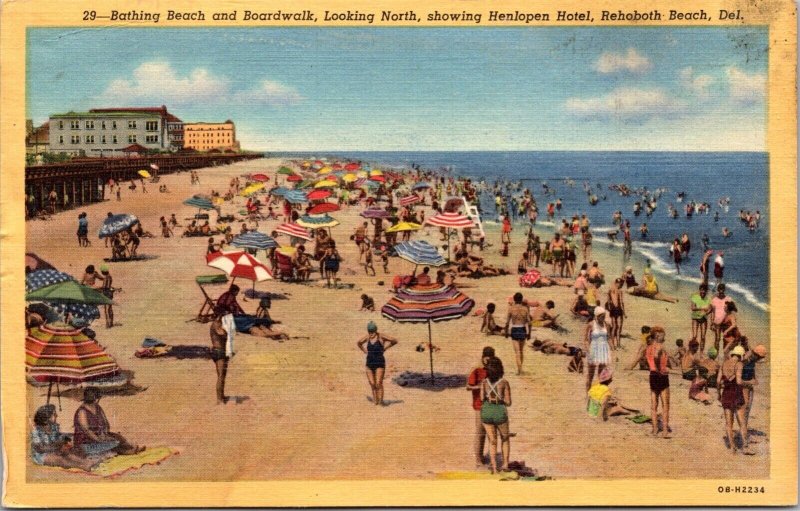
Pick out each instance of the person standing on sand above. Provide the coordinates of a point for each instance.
(616, 310)
(704, 266)
(219, 339)
(719, 267)
(596, 345)
(749, 381)
(374, 345)
(108, 290)
(518, 327)
(474, 384)
(719, 305)
(701, 308)
(658, 362)
(83, 230)
(496, 398)
(731, 396)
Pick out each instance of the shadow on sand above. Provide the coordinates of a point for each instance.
(423, 381)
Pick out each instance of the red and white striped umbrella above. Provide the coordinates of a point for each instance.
(409, 199)
(239, 264)
(292, 229)
(450, 220)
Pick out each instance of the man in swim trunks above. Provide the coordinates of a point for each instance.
(718, 306)
(219, 337)
(701, 308)
(518, 327)
(557, 246)
(542, 316)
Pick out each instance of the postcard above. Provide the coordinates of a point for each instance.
(398, 253)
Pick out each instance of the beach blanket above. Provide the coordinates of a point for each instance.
(118, 465)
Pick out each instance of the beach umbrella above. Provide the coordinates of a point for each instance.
(287, 251)
(426, 304)
(325, 170)
(375, 213)
(419, 252)
(326, 184)
(47, 277)
(362, 174)
(285, 170)
(144, 174)
(294, 230)
(317, 221)
(378, 179)
(294, 178)
(255, 240)
(352, 166)
(317, 165)
(375, 172)
(251, 189)
(530, 278)
(337, 166)
(279, 191)
(450, 221)
(410, 199)
(68, 291)
(349, 178)
(65, 355)
(34, 262)
(319, 194)
(295, 196)
(421, 186)
(238, 264)
(404, 226)
(199, 203)
(325, 207)
(260, 177)
(117, 223)
(154, 166)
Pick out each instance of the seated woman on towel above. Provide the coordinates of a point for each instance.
(246, 323)
(93, 436)
(51, 447)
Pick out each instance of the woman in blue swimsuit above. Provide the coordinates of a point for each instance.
(374, 345)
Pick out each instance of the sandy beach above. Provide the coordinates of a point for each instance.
(302, 409)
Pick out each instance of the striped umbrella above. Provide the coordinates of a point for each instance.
(199, 203)
(410, 199)
(279, 191)
(117, 223)
(450, 221)
(317, 221)
(294, 230)
(325, 207)
(44, 278)
(421, 186)
(426, 304)
(419, 252)
(295, 196)
(239, 264)
(254, 239)
(375, 213)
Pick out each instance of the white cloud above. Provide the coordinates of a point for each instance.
(627, 104)
(270, 93)
(159, 83)
(699, 85)
(746, 89)
(632, 62)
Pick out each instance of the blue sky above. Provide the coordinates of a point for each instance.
(422, 88)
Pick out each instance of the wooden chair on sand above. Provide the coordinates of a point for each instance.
(206, 312)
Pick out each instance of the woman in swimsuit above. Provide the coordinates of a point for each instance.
(596, 344)
(374, 345)
(330, 262)
(749, 381)
(730, 331)
(92, 429)
(90, 276)
(729, 391)
(616, 311)
(496, 394)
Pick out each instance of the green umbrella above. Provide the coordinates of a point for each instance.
(285, 170)
(68, 292)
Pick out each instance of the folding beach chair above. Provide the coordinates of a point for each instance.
(285, 266)
(206, 313)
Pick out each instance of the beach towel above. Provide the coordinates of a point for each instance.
(639, 419)
(230, 327)
(118, 465)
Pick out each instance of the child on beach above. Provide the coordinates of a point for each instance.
(367, 303)
(368, 257)
(488, 325)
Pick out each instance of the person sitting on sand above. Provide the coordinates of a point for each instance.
(676, 356)
(601, 401)
(51, 447)
(191, 229)
(367, 303)
(629, 278)
(246, 323)
(649, 289)
(594, 275)
(424, 278)
(205, 229)
(543, 317)
(93, 434)
(302, 263)
(580, 307)
(488, 325)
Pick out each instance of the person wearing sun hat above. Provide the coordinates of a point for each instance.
(374, 345)
(731, 396)
(596, 344)
(749, 381)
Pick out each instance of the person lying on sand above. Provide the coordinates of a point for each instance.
(246, 323)
(601, 401)
(551, 347)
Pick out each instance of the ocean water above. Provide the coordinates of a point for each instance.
(703, 177)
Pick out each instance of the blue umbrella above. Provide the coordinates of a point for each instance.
(279, 191)
(419, 252)
(43, 278)
(199, 203)
(254, 239)
(295, 196)
(117, 223)
(422, 185)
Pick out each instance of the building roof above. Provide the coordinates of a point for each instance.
(135, 148)
(207, 123)
(161, 110)
(104, 115)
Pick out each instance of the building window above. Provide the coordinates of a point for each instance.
(76, 139)
(75, 125)
(102, 139)
(113, 139)
(131, 139)
(89, 139)
(89, 125)
(102, 125)
(151, 126)
(61, 139)
(61, 125)
(131, 125)
(151, 139)
(113, 125)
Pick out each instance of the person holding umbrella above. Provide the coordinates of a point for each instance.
(374, 345)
